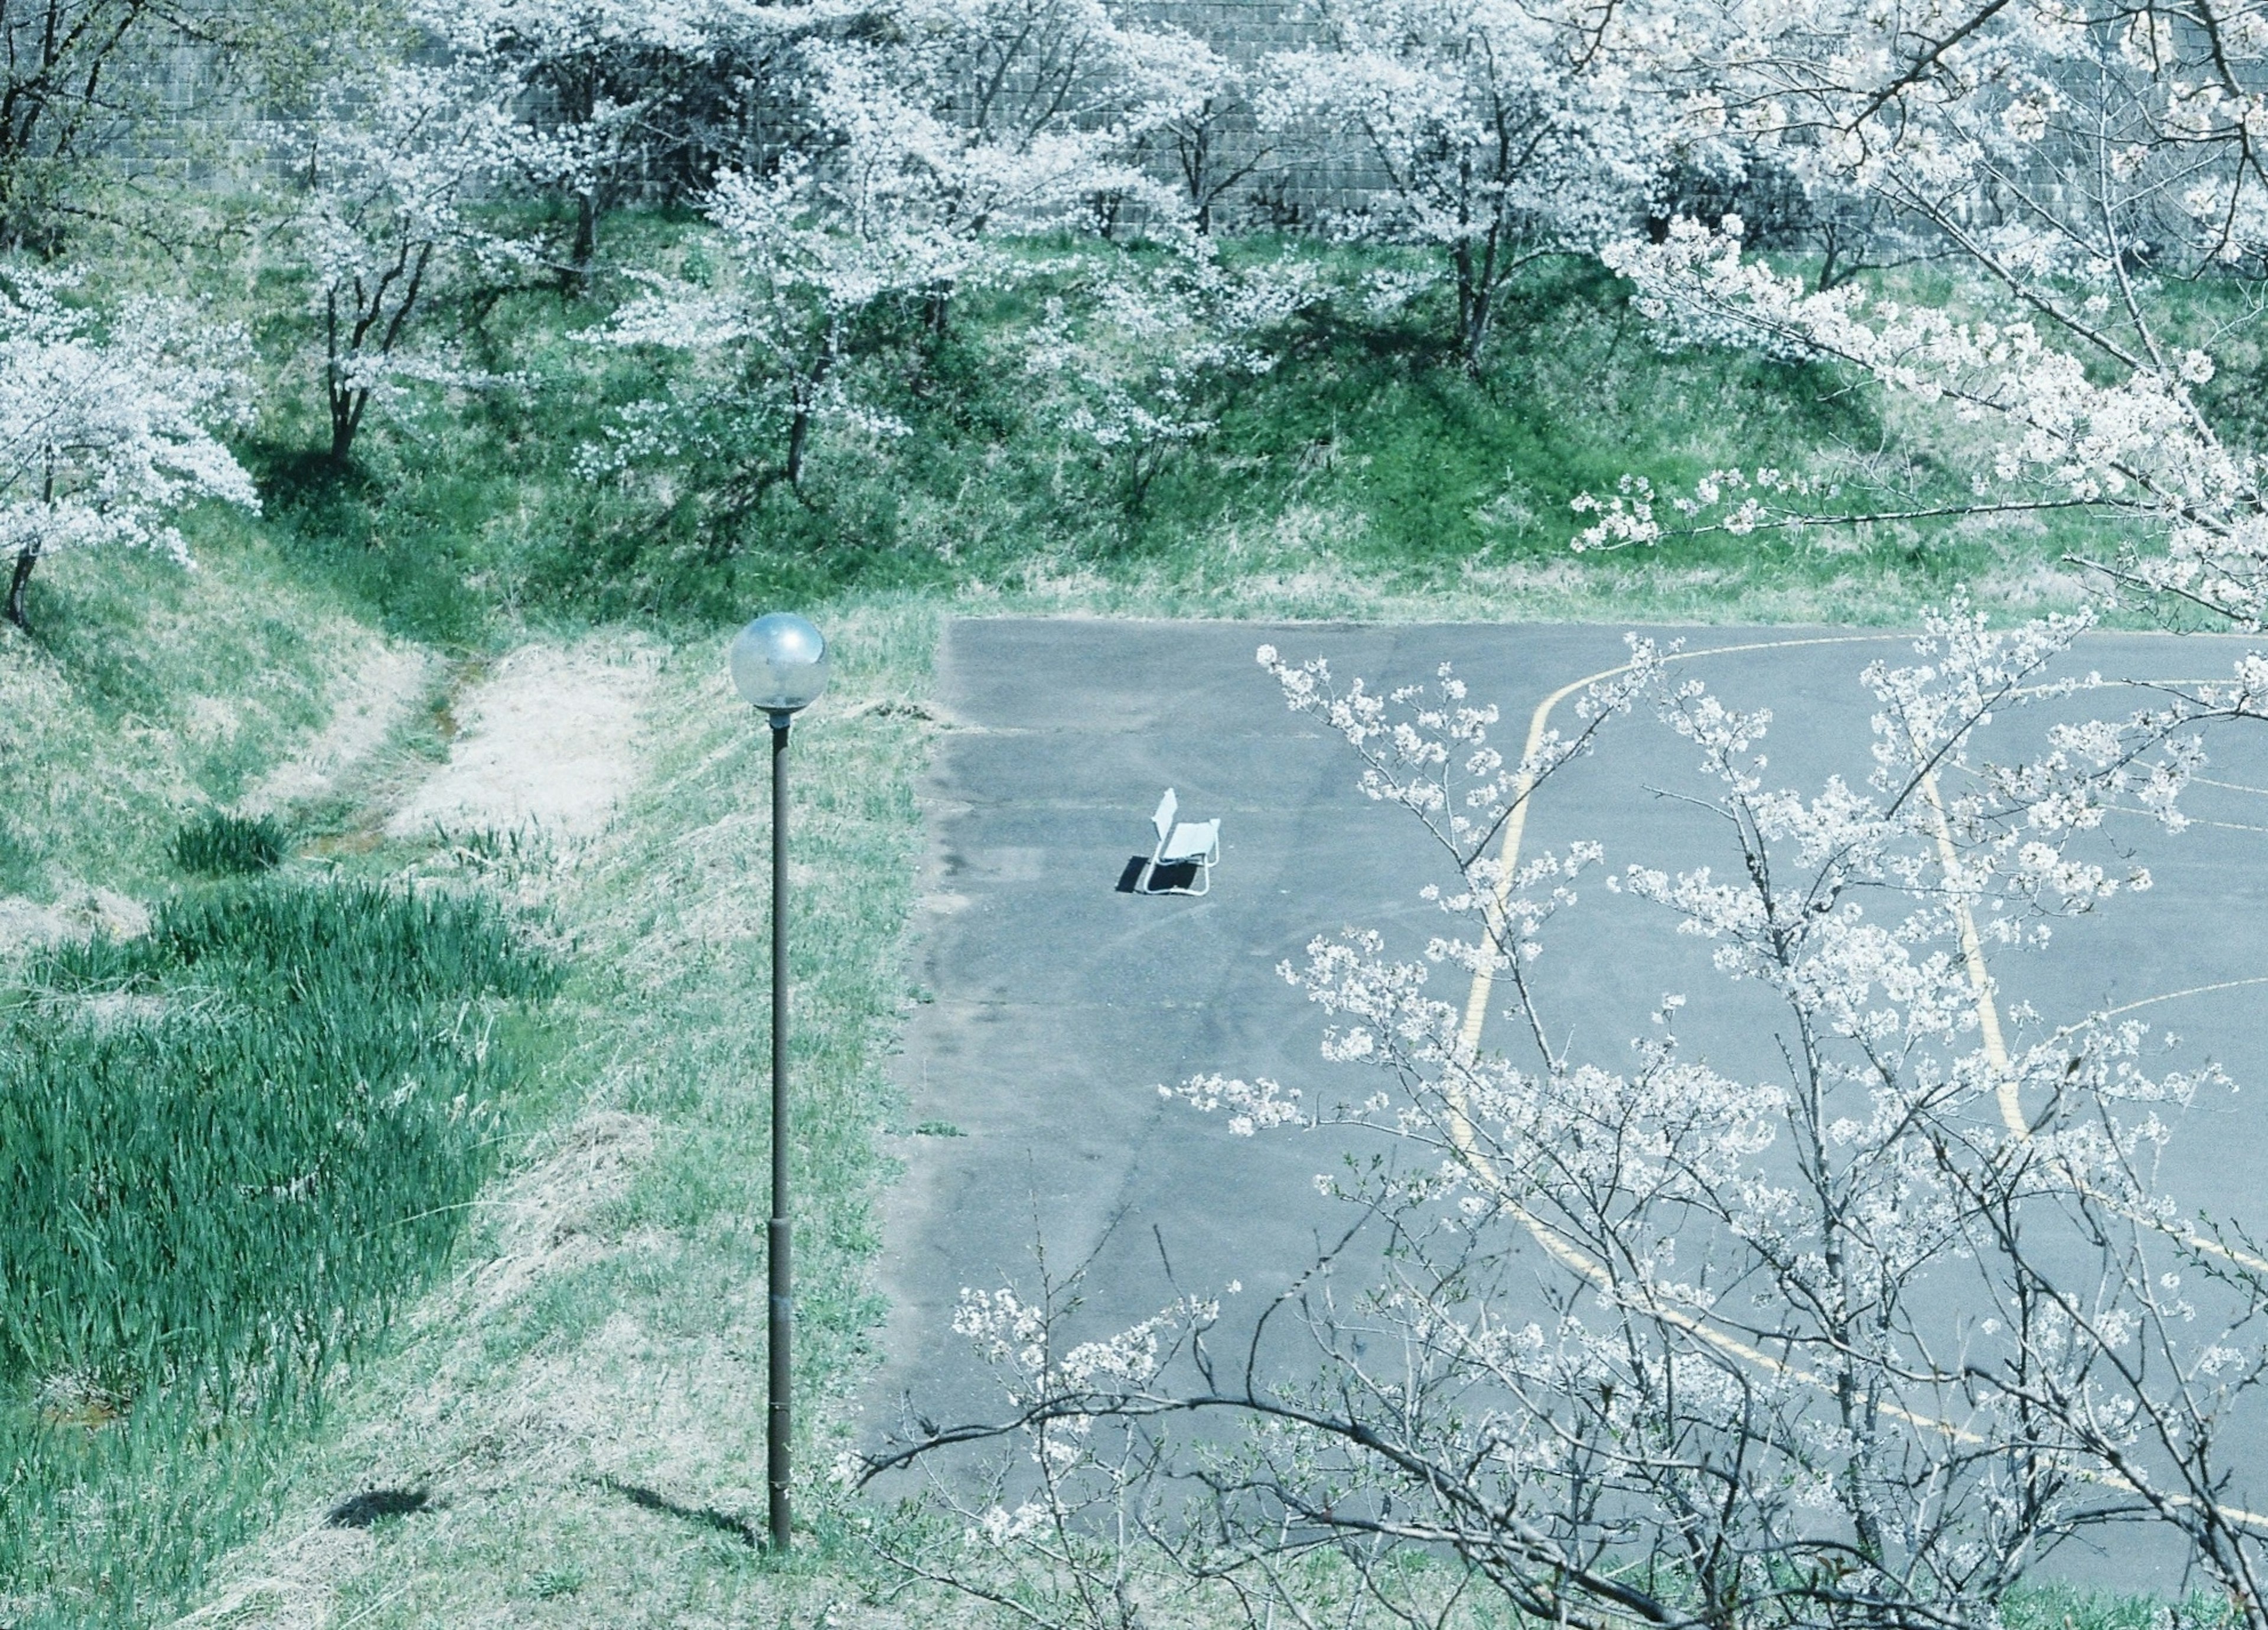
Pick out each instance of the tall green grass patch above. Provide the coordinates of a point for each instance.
(219, 845)
(228, 1150)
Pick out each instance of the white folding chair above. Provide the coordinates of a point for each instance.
(1191, 843)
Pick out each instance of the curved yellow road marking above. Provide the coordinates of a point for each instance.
(1996, 1053)
(1462, 1134)
(1980, 977)
(1508, 856)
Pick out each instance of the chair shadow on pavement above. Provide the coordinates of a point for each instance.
(1180, 875)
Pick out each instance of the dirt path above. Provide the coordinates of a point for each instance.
(379, 685)
(377, 699)
(549, 740)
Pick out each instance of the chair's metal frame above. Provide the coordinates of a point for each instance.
(1197, 841)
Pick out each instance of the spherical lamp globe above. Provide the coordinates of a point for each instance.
(779, 663)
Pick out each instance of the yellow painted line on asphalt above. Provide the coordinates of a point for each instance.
(1996, 1053)
(2012, 1113)
(1980, 977)
(1461, 1132)
(1463, 1135)
(1483, 987)
(1515, 828)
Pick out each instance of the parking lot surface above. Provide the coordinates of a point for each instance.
(1057, 1001)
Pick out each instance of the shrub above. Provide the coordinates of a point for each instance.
(215, 844)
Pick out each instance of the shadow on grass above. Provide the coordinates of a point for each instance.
(368, 1508)
(292, 479)
(393, 541)
(706, 1516)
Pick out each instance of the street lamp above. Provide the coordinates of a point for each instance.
(779, 664)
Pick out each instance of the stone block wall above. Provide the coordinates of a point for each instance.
(189, 117)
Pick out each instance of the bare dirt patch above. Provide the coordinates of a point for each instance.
(549, 742)
(25, 922)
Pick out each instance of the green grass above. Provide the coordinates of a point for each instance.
(229, 1148)
(147, 693)
(2046, 1607)
(640, 1347)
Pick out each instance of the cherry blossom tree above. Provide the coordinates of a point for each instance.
(63, 89)
(896, 201)
(1854, 1341)
(2093, 168)
(1016, 115)
(1858, 1339)
(1499, 131)
(810, 257)
(610, 95)
(382, 226)
(107, 428)
(1136, 354)
(1214, 140)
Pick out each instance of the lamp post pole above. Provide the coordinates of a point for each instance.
(779, 664)
(778, 1417)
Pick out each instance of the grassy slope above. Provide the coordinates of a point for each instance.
(151, 692)
(1365, 476)
(612, 1369)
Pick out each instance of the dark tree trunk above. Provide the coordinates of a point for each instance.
(586, 249)
(807, 398)
(1475, 297)
(347, 405)
(798, 435)
(374, 332)
(1475, 338)
(336, 395)
(27, 558)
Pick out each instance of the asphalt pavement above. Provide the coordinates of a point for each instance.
(1057, 1001)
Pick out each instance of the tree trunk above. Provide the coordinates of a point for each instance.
(27, 558)
(335, 391)
(1476, 331)
(586, 249)
(1474, 290)
(807, 398)
(1475, 301)
(798, 435)
(346, 418)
